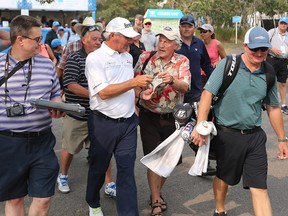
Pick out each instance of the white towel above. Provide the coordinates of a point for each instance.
(201, 161)
(164, 158)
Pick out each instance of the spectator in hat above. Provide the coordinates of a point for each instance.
(195, 50)
(63, 36)
(52, 34)
(156, 120)
(148, 36)
(75, 130)
(278, 58)
(57, 48)
(240, 143)
(72, 34)
(214, 47)
(74, 46)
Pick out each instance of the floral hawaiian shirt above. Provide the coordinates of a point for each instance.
(166, 97)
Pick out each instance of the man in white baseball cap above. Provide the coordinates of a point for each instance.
(111, 85)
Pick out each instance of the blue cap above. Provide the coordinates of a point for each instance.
(187, 19)
(257, 37)
(283, 19)
(55, 43)
(55, 23)
(61, 28)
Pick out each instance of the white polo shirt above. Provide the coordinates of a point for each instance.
(105, 66)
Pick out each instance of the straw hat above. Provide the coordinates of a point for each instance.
(88, 21)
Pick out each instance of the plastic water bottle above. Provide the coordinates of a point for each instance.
(187, 131)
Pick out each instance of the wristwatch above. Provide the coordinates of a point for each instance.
(172, 80)
(282, 139)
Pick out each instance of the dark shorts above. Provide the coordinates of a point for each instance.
(242, 155)
(280, 67)
(154, 129)
(27, 166)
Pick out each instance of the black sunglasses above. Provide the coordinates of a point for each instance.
(203, 31)
(89, 28)
(147, 23)
(262, 49)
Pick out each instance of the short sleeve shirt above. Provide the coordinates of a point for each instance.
(166, 96)
(240, 106)
(105, 66)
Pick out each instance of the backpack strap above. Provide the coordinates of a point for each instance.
(270, 79)
(230, 71)
(147, 60)
(270, 75)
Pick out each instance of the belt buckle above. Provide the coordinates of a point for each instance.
(243, 132)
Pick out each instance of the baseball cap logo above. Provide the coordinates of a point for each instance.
(260, 38)
(127, 25)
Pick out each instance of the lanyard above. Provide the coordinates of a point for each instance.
(19, 65)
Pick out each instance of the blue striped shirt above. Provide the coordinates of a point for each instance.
(44, 84)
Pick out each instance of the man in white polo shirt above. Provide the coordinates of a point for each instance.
(111, 85)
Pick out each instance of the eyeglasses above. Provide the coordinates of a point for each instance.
(262, 49)
(89, 28)
(203, 31)
(147, 23)
(37, 39)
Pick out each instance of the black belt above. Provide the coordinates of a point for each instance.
(157, 115)
(246, 131)
(276, 58)
(25, 134)
(96, 112)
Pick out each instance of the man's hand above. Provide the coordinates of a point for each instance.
(143, 80)
(147, 94)
(198, 139)
(282, 151)
(56, 113)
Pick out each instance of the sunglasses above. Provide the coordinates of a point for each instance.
(89, 28)
(203, 31)
(37, 39)
(147, 24)
(262, 49)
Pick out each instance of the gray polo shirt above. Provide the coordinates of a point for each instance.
(279, 41)
(240, 106)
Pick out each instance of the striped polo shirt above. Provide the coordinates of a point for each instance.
(74, 73)
(44, 84)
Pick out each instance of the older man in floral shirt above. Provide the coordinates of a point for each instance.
(171, 80)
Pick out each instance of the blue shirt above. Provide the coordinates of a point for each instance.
(199, 58)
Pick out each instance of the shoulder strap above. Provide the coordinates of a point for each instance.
(230, 71)
(270, 75)
(147, 60)
(273, 34)
(18, 66)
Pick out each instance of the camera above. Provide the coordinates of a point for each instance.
(15, 110)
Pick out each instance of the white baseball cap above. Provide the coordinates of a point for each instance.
(170, 34)
(122, 26)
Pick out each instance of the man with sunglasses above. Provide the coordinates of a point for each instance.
(28, 164)
(278, 58)
(75, 130)
(240, 143)
(148, 36)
